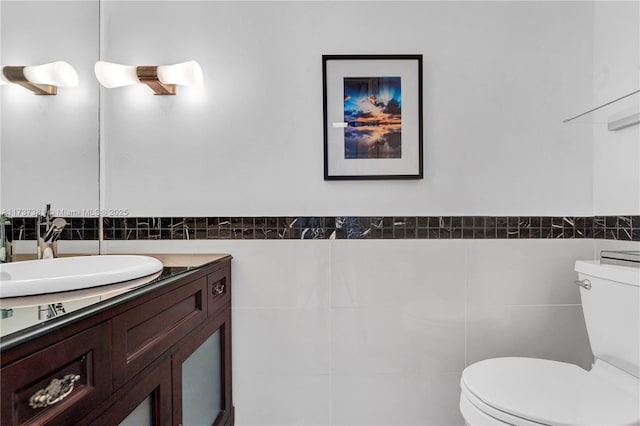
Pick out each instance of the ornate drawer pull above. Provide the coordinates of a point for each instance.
(218, 288)
(56, 391)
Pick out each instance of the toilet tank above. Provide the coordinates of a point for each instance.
(612, 312)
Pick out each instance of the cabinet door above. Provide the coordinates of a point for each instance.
(145, 403)
(202, 375)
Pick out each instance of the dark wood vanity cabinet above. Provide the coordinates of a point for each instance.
(161, 358)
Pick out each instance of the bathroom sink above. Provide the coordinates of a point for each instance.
(65, 274)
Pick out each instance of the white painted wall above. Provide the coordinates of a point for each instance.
(499, 78)
(616, 44)
(378, 332)
(49, 144)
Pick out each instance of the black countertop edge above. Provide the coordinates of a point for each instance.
(19, 337)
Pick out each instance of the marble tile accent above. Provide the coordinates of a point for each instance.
(374, 227)
(77, 228)
(623, 228)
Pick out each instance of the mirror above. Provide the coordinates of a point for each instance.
(49, 145)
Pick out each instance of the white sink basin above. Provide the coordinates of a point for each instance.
(63, 274)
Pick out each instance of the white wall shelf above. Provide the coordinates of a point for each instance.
(618, 114)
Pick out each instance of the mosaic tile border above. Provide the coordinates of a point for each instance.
(626, 228)
(77, 228)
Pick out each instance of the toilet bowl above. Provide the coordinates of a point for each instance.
(528, 391)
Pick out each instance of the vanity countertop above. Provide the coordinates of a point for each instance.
(21, 318)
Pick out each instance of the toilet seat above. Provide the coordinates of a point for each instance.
(477, 413)
(527, 391)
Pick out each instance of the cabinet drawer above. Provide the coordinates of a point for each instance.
(218, 289)
(31, 395)
(143, 333)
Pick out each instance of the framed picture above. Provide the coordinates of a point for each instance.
(372, 116)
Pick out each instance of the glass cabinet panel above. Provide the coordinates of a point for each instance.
(142, 415)
(201, 383)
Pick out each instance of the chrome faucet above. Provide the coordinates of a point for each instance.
(51, 310)
(6, 252)
(48, 231)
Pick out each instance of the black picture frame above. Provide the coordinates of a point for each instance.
(370, 149)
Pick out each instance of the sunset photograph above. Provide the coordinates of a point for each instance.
(373, 113)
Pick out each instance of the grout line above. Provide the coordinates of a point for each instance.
(542, 305)
(280, 308)
(466, 301)
(330, 302)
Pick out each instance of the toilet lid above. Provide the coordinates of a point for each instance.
(550, 392)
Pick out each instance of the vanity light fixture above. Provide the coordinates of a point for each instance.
(41, 79)
(162, 79)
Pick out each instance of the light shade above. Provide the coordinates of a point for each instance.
(162, 79)
(185, 74)
(57, 73)
(112, 75)
(41, 79)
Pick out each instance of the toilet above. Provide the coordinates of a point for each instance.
(528, 391)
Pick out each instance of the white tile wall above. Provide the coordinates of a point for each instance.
(398, 308)
(281, 400)
(381, 273)
(378, 332)
(282, 275)
(395, 341)
(521, 300)
(411, 399)
(552, 332)
(277, 342)
(524, 272)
